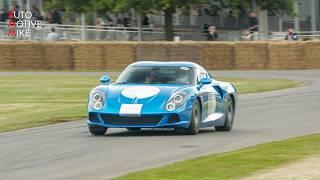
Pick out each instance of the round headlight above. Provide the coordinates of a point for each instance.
(97, 105)
(96, 97)
(178, 98)
(171, 106)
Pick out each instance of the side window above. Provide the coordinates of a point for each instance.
(201, 74)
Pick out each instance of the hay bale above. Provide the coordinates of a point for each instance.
(286, 55)
(184, 51)
(6, 56)
(311, 55)
(58, 56)
(217, 55)
(88, 56)
(251, 55)
(151, 51)
(28, 56)
(119, 55)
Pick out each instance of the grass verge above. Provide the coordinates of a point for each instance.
(29, 101)
(236, 164)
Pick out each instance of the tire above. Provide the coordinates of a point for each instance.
(229, 117)
(97, 130)
(133, 129)
(195, 120)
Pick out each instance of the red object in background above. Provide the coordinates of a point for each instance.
(12, 32)
(11, 24)
(10, 15)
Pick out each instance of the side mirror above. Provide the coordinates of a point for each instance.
(206, 81)
(105, 79)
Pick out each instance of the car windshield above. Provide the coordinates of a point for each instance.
(156, 75)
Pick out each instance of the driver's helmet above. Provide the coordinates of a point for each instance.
(182, 77)
(152, 75)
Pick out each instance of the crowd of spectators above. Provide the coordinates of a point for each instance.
(248, 34)
(126, 20)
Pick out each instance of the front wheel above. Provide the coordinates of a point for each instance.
(229, 117)
(195, 120)
(97, 130)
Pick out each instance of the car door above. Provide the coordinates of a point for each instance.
(211, 99)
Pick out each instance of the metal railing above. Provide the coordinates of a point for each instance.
(303, 35)
(108, 33)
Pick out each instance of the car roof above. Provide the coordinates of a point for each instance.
(166, 63)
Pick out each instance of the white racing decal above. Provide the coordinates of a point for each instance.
(140, 92)
(130, 109)
(212, 103)
(213, 117)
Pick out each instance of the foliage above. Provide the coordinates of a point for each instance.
(169, 7)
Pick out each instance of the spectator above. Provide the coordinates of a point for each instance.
(291, 36)
(205, 28)
(56, 17)
(145, 21)
(127, 21)
(212, 34)
(253, 22)
(3, 15)
(246, 35)
(53, 36)
(36, 14)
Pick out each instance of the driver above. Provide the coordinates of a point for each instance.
(182, 77)
(152, 76)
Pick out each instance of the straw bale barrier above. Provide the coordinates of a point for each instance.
(119, 55)
(218, 55)
(58, 56)
(23, 55)
(6, 56)
(251, 55)
(28, 56)
(152, 51)
(286, 55)
(88, 56)
(312, 55)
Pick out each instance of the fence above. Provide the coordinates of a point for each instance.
(107, 33)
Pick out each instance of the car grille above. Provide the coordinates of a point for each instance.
(93, 117)
(122, 120)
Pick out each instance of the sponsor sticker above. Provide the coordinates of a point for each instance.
(130, 109)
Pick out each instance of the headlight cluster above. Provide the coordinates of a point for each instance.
(176, 101)
(97, 99)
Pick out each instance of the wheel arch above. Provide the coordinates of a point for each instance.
(200, 104)
(233, 100)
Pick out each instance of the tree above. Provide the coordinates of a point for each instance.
(274, 6)
(168, 7)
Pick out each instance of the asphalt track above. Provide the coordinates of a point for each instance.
(68, 151)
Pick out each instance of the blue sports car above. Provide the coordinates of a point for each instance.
(179, 95)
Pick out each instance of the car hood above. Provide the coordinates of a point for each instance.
(151, 97)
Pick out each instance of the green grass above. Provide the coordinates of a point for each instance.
(237, 164)
(29, 101)
(245, 85)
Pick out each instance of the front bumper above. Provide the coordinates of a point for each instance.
(159, 120)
